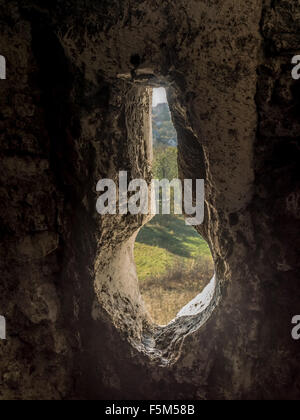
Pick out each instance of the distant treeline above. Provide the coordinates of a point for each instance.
(164, 132)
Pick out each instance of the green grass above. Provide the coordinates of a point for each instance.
(164, 242)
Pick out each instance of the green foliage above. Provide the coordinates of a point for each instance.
(165, 163)
(167, 241)
(168, 253)
(162, 126)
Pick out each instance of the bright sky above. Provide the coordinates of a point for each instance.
(159, 96)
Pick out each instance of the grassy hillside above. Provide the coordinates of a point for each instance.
(164, 242)
(174, 264)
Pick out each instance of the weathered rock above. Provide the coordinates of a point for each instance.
(75, 108)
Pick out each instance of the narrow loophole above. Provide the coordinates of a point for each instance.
(174, 263)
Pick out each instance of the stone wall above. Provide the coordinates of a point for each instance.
(74, 109)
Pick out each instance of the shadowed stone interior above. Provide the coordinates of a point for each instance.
(75, 108)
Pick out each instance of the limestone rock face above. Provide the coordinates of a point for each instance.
(75, 108)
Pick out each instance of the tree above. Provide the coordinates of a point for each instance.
(165, 163)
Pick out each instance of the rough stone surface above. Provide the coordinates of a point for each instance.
(74, 109)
